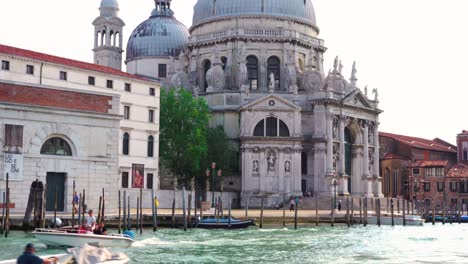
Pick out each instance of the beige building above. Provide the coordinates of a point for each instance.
(79, 122)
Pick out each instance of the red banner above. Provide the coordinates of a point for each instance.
(138, 176)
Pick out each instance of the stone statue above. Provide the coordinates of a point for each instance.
(365, 90)
(340, 69)
(292, 75)
(255, 166)
(287, 166)
(271, 159)
(335, 64)
(336, 123)
(242, 53)
(353, 78)
(193, 64)
(272, 83)
(376, 94)
(242, 73)
(182, 61)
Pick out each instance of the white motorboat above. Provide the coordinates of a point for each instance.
(67, 238)
(85, 254)
(386, 219)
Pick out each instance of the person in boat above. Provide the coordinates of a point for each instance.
(82, 229)
(28, 256)
(90, 221)
(100, 230)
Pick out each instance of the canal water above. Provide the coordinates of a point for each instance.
(323, 244)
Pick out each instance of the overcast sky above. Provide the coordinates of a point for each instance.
(413, 51)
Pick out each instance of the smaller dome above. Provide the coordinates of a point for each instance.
(110, 3)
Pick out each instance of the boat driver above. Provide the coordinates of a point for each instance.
(28, 256)
(90, 221)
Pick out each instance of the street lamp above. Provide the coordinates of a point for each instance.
(213, 167)
(334, 183)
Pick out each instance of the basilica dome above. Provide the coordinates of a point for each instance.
(162, 35)
(109, 3)
(206, 10)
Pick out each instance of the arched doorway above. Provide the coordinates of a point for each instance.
(348, 140)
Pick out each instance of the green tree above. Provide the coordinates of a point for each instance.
(183, 133)
(222, 151)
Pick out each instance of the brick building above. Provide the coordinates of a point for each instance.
(399, 152)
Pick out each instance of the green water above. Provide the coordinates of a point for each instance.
(426, 244)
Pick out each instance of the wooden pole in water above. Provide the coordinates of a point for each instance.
(7, 201)
(79, 210)
(378, 211)
(433, 213)
(404, 213)
(55, 207)
(408, 206)
(360, 210)
(295, 213)
(124, 216)
(103, 207)
(459, 212)
(43, 205)
(137, 213)
(99, 210)
(220, 208)
(398, 205)
(120, 214)
(316, 210)
(229, 219)
(83, 206)
(451, 214)
(195, 220)
(247, 207)
(352, 210)
(365, 211)
(173, 212)
(261, 215)
(189, 206)
(183, 209)
(153, 201)
(141, 211)
(200, 200)
(284, 210)
(156, 205)
(73, 205)
(391, 209)
(347, 212)
(332, 213)
(372, 204)
(129, 214)
(387, 206)
(3, 213)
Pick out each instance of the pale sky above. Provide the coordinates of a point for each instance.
(413, 51)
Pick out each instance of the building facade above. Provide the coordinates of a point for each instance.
(259, 65)
(398, 153)
(106, 122)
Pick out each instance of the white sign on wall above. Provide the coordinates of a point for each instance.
(13, 166)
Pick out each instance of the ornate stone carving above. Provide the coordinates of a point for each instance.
(255, 167)
(287, 166)
(353, 79)
(376, 94)
(336, 126)
(271, 84)
(371, 133)
(312, 80)
(371, 161)
(271, 161)
(336, 156)
(215, 75)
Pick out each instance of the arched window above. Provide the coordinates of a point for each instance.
(98, 38)
(252, 71)
(150, 146)
(103, 38)
(126, 144)
(387, 181)
(271, 127)
(465, 154)
(112, 39)
(395, 182)
(275, 68)
(56, 146)
(206, 67)
(117, 39)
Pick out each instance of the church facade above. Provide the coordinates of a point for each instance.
(259, 65)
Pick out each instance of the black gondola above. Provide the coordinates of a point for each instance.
(224, 223)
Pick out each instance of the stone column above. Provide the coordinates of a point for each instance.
(366, 149)
(329, 145)
(342, 165)
(377, 177)
(263, 169)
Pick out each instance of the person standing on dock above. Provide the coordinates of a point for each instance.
(28, 256)
(292, 204)
(339, 206)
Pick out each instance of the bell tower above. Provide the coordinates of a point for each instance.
(108, 35)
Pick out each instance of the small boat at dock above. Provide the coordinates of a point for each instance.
(71, 238)
(386, 219)
(224, 223)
